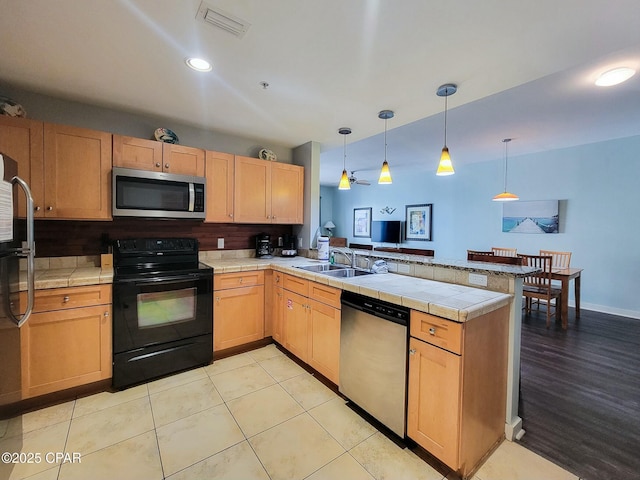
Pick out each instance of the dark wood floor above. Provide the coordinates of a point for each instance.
(580, 393)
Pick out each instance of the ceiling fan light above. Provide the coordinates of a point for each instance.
(385, 174)
(345, 184)
(445, 167)
(506, 197)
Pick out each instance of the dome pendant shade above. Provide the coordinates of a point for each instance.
(345, 184)
(385, 174)
(505, 196)
(445, 167)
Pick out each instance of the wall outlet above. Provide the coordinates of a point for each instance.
(221, 243)
(477, 279)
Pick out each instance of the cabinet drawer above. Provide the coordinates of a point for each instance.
(240, 279)
(72, 297)
(297, 285)
(325, 294)
(437, 331)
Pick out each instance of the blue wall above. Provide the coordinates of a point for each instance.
(599, 192)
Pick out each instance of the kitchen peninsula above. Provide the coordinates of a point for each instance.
(432, 288)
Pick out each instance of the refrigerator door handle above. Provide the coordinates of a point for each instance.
(29, 252)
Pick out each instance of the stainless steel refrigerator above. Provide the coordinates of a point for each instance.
(16, 246)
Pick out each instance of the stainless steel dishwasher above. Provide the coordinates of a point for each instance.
(373, 358)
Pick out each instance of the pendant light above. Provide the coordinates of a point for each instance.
(385, 174)
(345, 184)
(505, 196)
(445, 167)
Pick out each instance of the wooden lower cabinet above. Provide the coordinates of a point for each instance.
(277, 308)
(65, 344)
(311, 324)
(238, 309)
(456, 399)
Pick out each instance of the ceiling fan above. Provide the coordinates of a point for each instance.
(353, 179)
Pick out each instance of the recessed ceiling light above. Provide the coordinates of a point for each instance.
(198, 64)
(615, 76)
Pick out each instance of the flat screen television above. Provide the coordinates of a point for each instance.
(387, 231)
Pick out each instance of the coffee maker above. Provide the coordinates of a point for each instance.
(289, 246)
(263, 246)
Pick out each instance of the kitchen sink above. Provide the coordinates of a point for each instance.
(324, 267)
(347, 272)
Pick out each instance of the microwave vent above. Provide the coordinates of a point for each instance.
(223, 20)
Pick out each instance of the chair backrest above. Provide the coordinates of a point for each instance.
(559, 259)
(541, 279)
(504, 252)
(479, 256)
(361, 246)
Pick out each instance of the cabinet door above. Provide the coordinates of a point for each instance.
(296, 328)
(238, 316)
(182, 160)
(324, 346)
(219, 170)
(433, 416)
(65, 348)
(252, 190)
(277, 312)
(77, 169)
(287, 200)
(21, 139)
(138, 153)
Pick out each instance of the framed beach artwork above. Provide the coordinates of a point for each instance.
(418, 222)
(362, 222)
(530, 217)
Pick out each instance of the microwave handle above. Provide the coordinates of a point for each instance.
(192, 197)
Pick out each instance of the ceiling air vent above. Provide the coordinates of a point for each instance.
(223, 20)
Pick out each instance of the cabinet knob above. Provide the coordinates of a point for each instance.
(412, 351)
(49, 208)
(166, 165)
(432, 331)
(268, 216)
(241, 280)
(231, 215)
(65, 299)
(36, 209)
(106, 314)
(158, 165)
(278, 279)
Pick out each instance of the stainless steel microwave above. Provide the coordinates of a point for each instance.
(141, 193)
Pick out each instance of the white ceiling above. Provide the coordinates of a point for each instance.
(524, 70)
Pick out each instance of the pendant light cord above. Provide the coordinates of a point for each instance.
(506, 163)
(385, 139)
(445, 120)
(344, 150)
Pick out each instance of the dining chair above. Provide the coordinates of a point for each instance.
(504, 252)
(537, 286)
(558, 259)
(479, 256)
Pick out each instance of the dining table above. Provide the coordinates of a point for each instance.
(565, 275)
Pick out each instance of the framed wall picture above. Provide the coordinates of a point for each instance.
(531, 217)
(418, 222)
(362, 222)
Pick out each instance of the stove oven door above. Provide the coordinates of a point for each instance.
(150, 312)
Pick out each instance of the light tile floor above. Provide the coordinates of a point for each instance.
(256, 415)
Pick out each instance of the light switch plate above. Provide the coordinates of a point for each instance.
(477, 279)
(221, 243)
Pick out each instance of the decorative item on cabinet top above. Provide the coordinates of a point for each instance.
(11, 108)
(165, 135)
(266, 154)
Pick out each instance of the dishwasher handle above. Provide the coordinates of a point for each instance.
(375, 307)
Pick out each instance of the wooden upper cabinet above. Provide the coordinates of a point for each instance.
(287, 186)
(22, 139)
(252, 195)
(182, 160)
(268, 192)
(219, 171)
(138, 153)
(77, 174)
(151, 155)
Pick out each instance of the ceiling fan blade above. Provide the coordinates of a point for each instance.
(363, 182)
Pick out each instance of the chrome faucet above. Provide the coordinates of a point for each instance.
(349, 255)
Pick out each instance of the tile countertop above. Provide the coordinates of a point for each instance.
(454, 302)
(67, 277)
